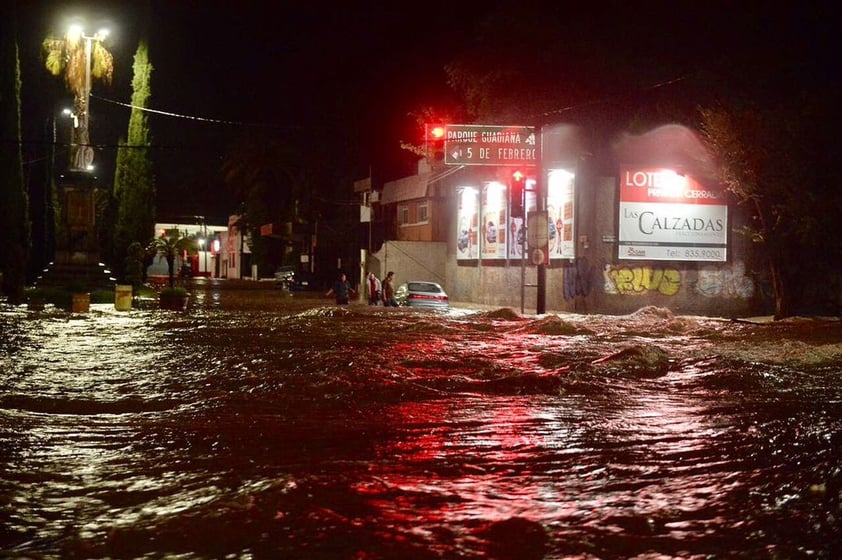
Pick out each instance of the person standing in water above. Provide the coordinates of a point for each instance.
(389, 290)
(375, 293)
(341, 290)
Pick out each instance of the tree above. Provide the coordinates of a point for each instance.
(134, 180)
(266, 174)
(170, 246)
(776, 159)
(68, 56)
(13, 200)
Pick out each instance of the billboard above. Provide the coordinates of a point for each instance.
(467, 217)
(494, 224)
(665, 215)
(560, 214)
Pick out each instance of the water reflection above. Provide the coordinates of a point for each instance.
(262, 425)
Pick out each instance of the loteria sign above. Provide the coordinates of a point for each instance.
(668, 216)
(476, 144)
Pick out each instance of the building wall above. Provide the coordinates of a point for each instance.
(412, 260)
(598, 282)
(618, 287)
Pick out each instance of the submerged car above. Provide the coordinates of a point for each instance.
(418, 293)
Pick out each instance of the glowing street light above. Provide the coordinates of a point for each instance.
(84, 156)
(74, 116)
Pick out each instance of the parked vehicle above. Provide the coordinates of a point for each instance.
(288, 278)
(418, 293)
(284, 276)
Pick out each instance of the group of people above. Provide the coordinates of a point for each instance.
(381, 292)
(378, 292)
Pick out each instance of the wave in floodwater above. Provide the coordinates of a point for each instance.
(259, 425)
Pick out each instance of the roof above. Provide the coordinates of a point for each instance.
(406, 188)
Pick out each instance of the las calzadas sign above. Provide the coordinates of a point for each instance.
(668, 216)
(476, 144)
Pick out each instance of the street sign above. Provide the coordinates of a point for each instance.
(477, 144)
(537, 236)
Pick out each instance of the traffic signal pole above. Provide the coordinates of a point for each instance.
(541, 195)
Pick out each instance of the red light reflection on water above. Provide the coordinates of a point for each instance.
(466, 462)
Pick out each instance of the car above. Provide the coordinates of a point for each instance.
(293, 280)
(418, 293)
(283, 276)
(302, 282)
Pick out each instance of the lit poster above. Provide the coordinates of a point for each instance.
(494, 222)
(517, 237)
(467, 217)
(668, 216)
(560, 214)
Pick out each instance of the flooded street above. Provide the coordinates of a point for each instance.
(264, 425)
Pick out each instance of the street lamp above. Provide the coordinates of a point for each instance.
(84, 156)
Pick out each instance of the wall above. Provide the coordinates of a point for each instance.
(412, 260)
(617, 287)
(597, 282)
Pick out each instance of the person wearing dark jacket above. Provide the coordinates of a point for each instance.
(389, 290)
(341, 290)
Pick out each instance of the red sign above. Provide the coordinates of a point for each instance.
(664, 185)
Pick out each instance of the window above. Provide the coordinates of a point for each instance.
(403, 214)
(422, 212)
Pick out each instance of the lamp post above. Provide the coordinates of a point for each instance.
(84, 156)
(74, 142)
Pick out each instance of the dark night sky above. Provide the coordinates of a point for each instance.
(365, 67)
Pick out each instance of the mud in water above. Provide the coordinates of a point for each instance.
(264, 425)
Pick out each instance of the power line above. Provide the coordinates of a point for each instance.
(615, 97)
(191, 117)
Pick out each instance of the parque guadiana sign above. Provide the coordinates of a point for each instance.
(477, 144)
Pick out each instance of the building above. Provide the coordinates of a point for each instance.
(208, 261)
(644, 224)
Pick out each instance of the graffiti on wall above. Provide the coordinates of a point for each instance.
(577, 278)
(725, 282)
(640, 280)
(713, 281)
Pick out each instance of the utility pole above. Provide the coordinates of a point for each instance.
(541, 195)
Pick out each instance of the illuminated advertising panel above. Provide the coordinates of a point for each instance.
(560, 214)
(517, 241)
(668, 216)
(494, 223)
(467, 217)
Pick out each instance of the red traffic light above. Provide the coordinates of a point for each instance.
(436, 132)
(516, 193)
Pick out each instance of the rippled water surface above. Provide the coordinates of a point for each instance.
(263, 425)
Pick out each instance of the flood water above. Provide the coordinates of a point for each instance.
(264, 425)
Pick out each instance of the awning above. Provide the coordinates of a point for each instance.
(406, 188)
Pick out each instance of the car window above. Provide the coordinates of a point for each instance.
(422, 287)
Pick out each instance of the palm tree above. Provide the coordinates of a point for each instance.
(170, 246)
(68, 55)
